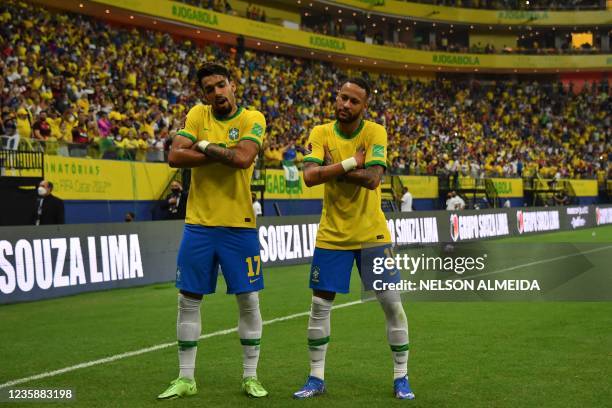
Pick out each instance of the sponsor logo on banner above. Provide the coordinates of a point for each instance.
(603, 216)
(464, 227)
(195, 14)
(577, 213)
(578, 222)
(454, 227)
(287, 242)
(522, 15)
(419, 230)
(455, 59)
(59, 262)
(327, 42)
(584, 210)
(537, 221)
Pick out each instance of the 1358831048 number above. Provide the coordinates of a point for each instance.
(30, 394)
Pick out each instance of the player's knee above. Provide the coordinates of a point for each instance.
(248, 302)
(321, 308)
(188, 304)
(323, 294)
(191, 295)
(391, 304)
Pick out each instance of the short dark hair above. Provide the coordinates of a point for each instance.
(50, 185)
(212, 68)
(360, 82)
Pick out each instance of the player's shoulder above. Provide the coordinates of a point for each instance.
(199, 110)
(370, 126)
(322, 131)
(324, 127)
(254, 114)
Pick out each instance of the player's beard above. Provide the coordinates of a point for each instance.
(348, 116)
(222, 109)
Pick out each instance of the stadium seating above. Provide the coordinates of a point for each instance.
(122, 93)
(518, 5)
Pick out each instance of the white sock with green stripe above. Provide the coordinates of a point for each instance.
(318, 335)
(249, 330)
(188, 328)
(397, 330)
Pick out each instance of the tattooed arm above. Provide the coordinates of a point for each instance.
(369, 177)
(182, 154)
(316, 174)
(241, 157)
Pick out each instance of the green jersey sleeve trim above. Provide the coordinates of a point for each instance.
(253, 139)
(376, 163)
(313, 160)
(187, 135)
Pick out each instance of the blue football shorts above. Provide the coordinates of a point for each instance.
(204, 249)
(331, 268)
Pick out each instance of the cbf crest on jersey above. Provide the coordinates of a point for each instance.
(233, 134)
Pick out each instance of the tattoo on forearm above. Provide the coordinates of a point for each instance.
(364, 177)
(371, 173)
(221, 153)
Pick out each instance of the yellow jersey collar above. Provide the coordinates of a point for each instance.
(344, 135)
(225, 119)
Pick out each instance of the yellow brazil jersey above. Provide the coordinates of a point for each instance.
(352, 217)
(220, 196)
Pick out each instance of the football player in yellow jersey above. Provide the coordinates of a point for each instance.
(219, 142)
(348, 155)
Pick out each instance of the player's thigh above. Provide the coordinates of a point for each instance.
(331, 270)
(374, 269)
(238, 251)
(197, 264)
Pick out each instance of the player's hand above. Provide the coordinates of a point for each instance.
(360, 158)
(328, 157)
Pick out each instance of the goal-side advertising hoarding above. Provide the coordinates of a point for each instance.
(52, 261)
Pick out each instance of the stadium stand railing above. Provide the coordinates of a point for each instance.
(102, 149)
(22, 168)
(388, 196)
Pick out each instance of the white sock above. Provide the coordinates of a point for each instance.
(397, 331)
(318, 335)
(249, 330)
(188, 327)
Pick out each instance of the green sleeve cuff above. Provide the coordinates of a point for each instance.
(187, 135)
(313, 160)
(253, 139)
(376, 163)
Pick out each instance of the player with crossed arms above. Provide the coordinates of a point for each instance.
(219, 142)
(348, 155)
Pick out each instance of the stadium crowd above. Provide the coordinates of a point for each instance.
(446, 39)
(517, 4)
(82, 87)
(359, 28)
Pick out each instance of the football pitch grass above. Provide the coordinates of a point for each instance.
(473, 354)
